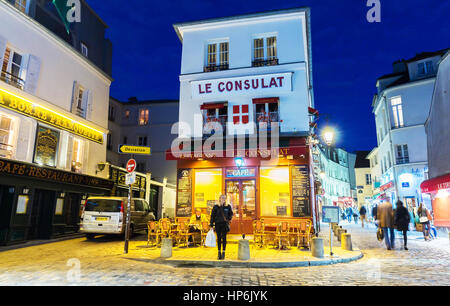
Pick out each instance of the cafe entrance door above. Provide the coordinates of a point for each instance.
(241, 194)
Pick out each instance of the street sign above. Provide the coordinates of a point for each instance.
(126, 149)
(131, 165)
(130, 178)
(330, 214)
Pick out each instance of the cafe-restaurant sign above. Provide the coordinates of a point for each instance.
(51, 175)
(43, 114)
(266, 84)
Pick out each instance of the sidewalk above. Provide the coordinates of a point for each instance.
(267, 257)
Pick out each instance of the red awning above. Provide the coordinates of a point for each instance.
(212, 105)
(434, 184)
(265, 100)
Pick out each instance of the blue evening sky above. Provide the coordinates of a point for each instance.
(349, 53)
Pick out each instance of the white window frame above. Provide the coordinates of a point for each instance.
(218, 54)
(148, 116)
(403, 150)
(18, 5)
(397, 111)
(11, 133)
(426, 70)
(265, 46)
(12, 51)
(79, 99)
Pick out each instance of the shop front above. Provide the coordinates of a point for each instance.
(256, 188)
(439, 190)
(38, 202)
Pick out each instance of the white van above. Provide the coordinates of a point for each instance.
(106, 215)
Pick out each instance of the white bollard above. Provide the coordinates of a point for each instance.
(317, 247)
(243, 249)
(166, 248)
(346, 242)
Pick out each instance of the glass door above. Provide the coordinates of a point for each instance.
(241, 194)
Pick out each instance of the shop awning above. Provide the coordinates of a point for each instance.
(434, 184)
(265, 100)
(387, 186)
(212, 105)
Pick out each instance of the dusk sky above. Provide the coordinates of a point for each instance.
(349, 53)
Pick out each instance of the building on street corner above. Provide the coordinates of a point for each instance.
(437, 187)
(242, 78)
(363, 180)
(53, 123)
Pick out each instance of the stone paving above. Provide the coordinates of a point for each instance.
(102, 262)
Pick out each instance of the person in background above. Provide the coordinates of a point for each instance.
(401, 221)
(349, 213)
(221, 216)
(362, 214)
(385, 215)
(424, 219)
(195, 223)
(374, 214)
(355, 215)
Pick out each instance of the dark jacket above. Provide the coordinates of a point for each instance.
(402, 218)
(217, 217)
(374, 212)
(362, 211)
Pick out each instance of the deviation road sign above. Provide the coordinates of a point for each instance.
(127, 149)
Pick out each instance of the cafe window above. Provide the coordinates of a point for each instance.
(77, 155)
(208, 187)
(275, 192)
(143, 116)
(6, 136)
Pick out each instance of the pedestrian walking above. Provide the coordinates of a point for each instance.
(221, 216)
(374, 214)
(355, 215)
(349, 213)
(385, 216)
(401, 221)
(362, 215)
(424, 219)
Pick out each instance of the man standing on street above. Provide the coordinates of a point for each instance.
(385, 215)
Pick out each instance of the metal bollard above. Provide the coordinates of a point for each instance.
(317, 247)
(346, 242)
(166, 247)
(243, 249)
(340, 232)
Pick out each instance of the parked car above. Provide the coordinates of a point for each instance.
(107, 215)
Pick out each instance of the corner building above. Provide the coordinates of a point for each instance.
(244, 73)
(53, 126)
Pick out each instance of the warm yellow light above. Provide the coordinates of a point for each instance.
(47, 109)
(442, 193)
(328, 135)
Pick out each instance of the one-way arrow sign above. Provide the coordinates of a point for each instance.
(127, 149)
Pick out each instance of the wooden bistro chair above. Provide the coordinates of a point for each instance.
(204, 232)
(259, 236)
(165, 229)
(153, 233)
(183, 233)
(283, 233)
(304, 233)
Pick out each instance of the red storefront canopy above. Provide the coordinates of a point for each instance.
(434, 184)
(212, 105)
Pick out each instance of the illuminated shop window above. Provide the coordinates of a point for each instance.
(6, 136)
(275, 192)
(77, 155)
(208, 187)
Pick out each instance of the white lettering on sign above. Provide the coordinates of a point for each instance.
(263, 84)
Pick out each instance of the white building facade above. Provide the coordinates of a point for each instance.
(401, 108)
(53, 125)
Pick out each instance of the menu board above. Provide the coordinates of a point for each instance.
(184, 193)
(300, 191)
(46, 146)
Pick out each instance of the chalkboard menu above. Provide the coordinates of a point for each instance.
(184, 193)
(300, 191)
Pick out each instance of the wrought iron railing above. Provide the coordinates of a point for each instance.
(211, 68)
(402, 160)
(6, 150)
(268, 62)
(11, 79)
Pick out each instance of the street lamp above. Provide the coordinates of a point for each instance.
(328, 135)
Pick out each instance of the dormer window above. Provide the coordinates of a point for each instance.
(425, 68)
(217, 57)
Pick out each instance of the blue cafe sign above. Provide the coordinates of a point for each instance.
(241, 172)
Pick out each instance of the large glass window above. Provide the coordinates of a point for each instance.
(77, 155)
(397, 111)
(143, 116)
(265, 51)
(275, 192)
(6, 136)
(208, 187)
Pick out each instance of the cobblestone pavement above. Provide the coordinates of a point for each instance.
(102, 262)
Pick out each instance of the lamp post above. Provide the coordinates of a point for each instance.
(328, 137)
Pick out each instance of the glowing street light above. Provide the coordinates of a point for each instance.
(328, 135)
